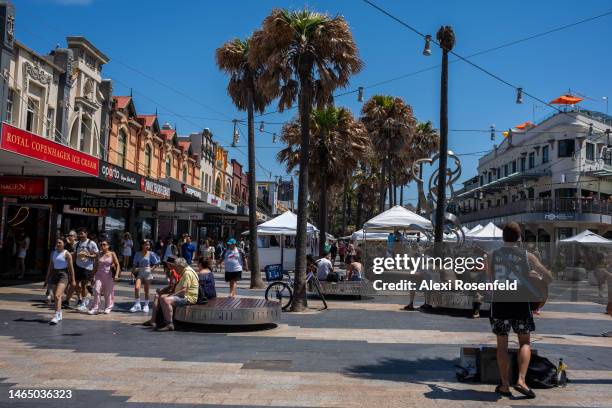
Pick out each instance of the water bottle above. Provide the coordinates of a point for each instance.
(561, 374)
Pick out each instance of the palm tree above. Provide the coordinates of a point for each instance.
(391, 125)
(307, 55)
(337, 143)
(232, 58)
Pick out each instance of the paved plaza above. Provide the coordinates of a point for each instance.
(359, 353)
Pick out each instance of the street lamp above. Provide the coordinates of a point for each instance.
(605, 98)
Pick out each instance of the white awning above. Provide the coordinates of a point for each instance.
(397, 217)
(284, 224)
(587, 237)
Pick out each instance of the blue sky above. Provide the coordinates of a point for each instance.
(174, 43)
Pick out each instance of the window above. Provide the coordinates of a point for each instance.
(490, 178)
(49, 123)
(147, 160)
(513, 166)
(498, 173)
(218, 187)
(121, 148)
(505, 170)
(9, 106)
(32, 115)
(567, 148)
(531, 160)
(590, 151)
(168, 166)
(184, 174)
(481, 180)
(545, 154)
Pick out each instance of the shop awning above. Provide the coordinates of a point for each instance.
(566, 99)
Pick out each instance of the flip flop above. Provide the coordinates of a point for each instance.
(502, 393)
(525, 391)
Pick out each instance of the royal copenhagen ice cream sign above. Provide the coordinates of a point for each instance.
(30, 145)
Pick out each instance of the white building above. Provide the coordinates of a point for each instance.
(555, 179)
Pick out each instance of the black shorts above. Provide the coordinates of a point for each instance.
(82, 274)
(501, 327)
(59, 276)
(230, 276)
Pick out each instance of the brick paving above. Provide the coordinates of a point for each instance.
(356, 354)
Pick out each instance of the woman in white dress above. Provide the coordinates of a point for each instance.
(126, 250)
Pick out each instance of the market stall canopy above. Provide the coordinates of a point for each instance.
(474, 230)
(397, 217)
(284, 224)
(566, 99)
(587, 237)
(488, 232)
(370, 236)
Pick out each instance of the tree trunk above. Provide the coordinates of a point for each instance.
(256, 281)
(301, 239)
(402, 195)
(344, 205)
(440, 203)
(359, 210)
(383, 187)
(322, 196)
(418, 195)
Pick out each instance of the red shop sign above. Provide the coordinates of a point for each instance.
(30, 145)
(21, 186)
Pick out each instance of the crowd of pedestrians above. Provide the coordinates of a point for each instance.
(84, 266)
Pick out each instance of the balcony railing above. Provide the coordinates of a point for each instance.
(539, 205)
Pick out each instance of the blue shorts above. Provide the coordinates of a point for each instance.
(180, 301)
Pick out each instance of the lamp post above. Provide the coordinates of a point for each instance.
(446, 39)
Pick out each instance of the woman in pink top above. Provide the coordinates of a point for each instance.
(104, 281)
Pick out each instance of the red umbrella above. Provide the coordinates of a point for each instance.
(566, 99)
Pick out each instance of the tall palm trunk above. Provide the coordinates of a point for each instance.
(402, 195)
(301, 240)
(322, 196)
(344, 205)
(256, 281)
(359, 210)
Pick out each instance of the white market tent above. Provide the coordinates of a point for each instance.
(587, 237)
(474, 230)
(372, 236)
(465, 230)
(487, 233)
(396, 217)
(283, 225)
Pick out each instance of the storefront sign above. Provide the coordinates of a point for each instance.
(230, 207)
(22, 186)
(119, 175)
(103, 202)
(155, 188)
(214, 200)
(94, 212)
(68, 196)
(558, 217)
(191, 191)
(30, 145)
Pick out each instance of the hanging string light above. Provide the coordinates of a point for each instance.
(360, 94)
(261, 126)
(492, 132)
(427, 49)
(519, 95)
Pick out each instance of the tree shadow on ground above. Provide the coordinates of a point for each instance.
(425, 369)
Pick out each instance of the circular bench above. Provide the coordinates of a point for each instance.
(230, 311)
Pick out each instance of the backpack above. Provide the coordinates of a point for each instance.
(542, 373)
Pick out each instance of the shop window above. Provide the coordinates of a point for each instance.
(590, 151)
(9, 105)
(567, 147)
(545, 155)
(147, 160)
(121, 148)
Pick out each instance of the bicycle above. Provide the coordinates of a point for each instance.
(282, 291)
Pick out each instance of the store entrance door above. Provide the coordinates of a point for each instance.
(26, 231)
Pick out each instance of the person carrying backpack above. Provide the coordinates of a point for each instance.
(234, 261)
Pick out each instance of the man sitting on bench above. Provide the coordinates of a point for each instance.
(184, 293)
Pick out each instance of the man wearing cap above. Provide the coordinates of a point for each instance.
(234, 261)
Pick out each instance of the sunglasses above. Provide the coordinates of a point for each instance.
(104, 244)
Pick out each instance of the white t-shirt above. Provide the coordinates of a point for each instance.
(85, 246)
(22, 250)
(324, 267)
(232, 260)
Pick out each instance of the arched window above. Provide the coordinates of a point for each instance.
(228, 190)
(86, 140)
(147, 160)
(218, 187)
(168, 166)
(184, 174)
(121, 148)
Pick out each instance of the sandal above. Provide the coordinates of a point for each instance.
(525, 391)
(502, 393)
